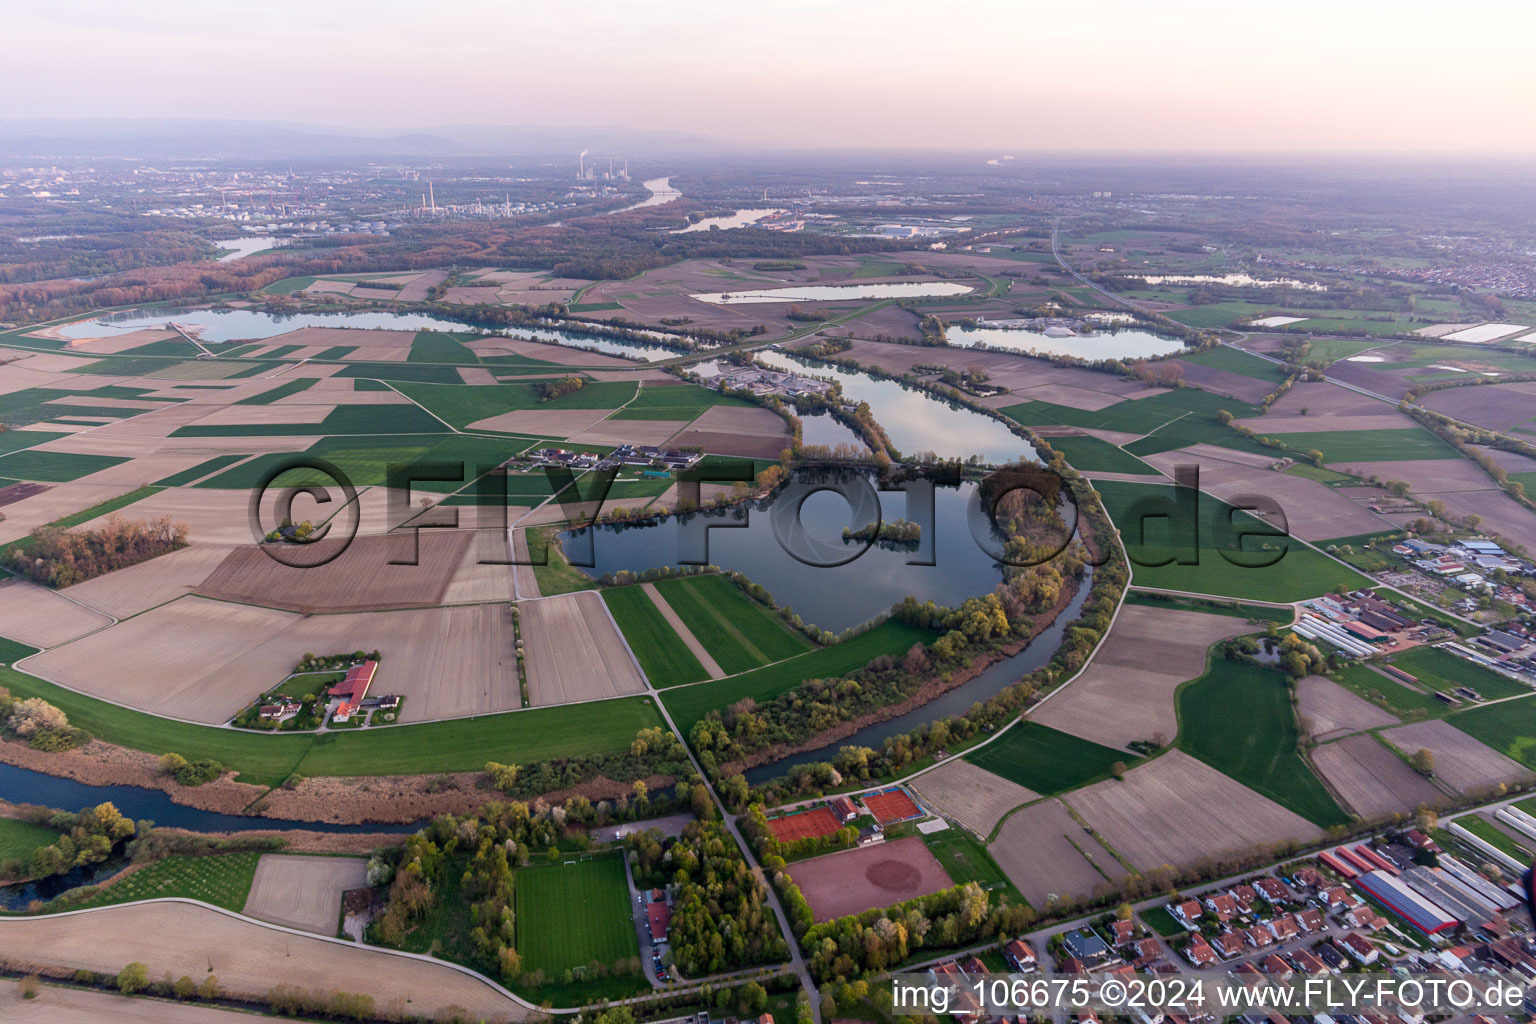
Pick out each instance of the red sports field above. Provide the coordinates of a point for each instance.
(890, 806)
(812, 824)
(838, 884)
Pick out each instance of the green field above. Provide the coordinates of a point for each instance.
(1219, 314)
(199, 471)
(1088, 454)
(1442, 670)
(283, 390)
(462, 404)
(103, 508)
(1299, 573)
(738, 632)
(436, 347)
(1212, 606)
(20, 839)
(1172, 419)
(1399, 699)
(674, 402)
(344, 419)
(966, 860)
(1046, 760)
(666, 660)
(460, 745)
(570, 914)
(1318, 473)
(1368, 445)
(223, 879)
(689, 704)
(1509, 728)
(1238, 719)
(1234, 360)
(1331, 350)
(53, 467)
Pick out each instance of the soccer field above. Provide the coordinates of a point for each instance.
(570, 914)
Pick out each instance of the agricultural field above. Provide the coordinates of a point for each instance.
(572, 913)
(303, 892)
(1461, 759)
(1238, 719)
(1371, 778)
(1127, 692)
(1175, 809)
(178, 939)
(1300, 572)
(1163, 422)
(688, 704)
(738, 632)
(1088, 454)
(1439, 669)
(1374, 445)
(573, 652)
(663, 654)
(1048, 855)
(222, 879)
(1329, 711)
(973, 796)
(1046, 761)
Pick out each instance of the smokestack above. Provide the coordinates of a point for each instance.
(430, 197)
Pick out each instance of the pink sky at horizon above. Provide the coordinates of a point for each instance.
(1182, 76)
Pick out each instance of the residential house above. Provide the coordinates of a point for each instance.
(1146, 951)
(1285, 927)
(1187, 912)
(1310, 919)
(1273, 890)
(1275, 967)
(1228, 944)
(1357, 947)
(1122, 931)
(1020, 957)
(1245, 896)
(1199, 952)
(1307, 962)
(1259, 937)
(1085, 945)
(1310, 878)
(1223, 906)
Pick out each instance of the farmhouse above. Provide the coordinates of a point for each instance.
(354, 687)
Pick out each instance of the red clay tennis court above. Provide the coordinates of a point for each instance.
(811, 824)
(892, 805)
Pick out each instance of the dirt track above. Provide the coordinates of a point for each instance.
(247, 958)
(683, 632)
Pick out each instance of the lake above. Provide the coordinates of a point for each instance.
(253, 325)
(915, 420)
(1110, 344)
(242, 247)
(742, 539)
(824, 429)
(833, 292)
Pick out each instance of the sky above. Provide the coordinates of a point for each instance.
(1355, 76)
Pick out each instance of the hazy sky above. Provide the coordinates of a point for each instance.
(1011, 75)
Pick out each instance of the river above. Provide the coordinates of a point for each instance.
(661, 191)
(990, 682)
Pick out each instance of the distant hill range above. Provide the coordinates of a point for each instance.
(153, 139)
